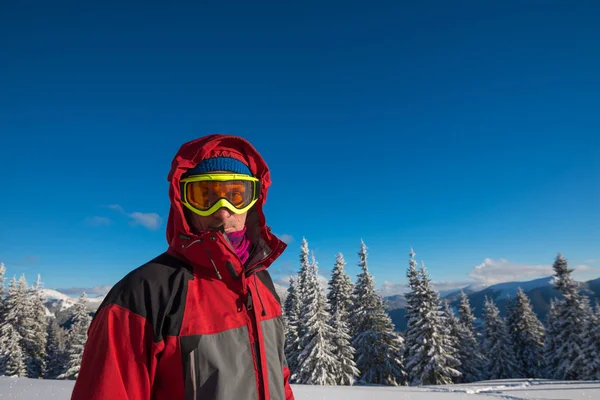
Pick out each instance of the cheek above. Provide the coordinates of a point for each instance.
(197, 221)
(236, 221)
(240, 219)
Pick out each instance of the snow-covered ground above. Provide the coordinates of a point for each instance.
(513, 389)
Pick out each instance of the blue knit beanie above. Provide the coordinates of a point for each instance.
(219, 164)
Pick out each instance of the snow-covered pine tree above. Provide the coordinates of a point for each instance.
(469, 355)
(573, 311)
(340, 290)
(11, 343)
(304, 274)
(21, 305)
(56, 359)
(551, 341)
(290, 305)
(35, 343)
(512, 329)
(343, 352)
(11, 303)
(527, 333)
(28, 330)
(379, 349)
(592, 370)
(363, 292)
(383, 364)
(497, 346)
(304, 267)
(472, 361)
(292, 315)
(2, 280)
(317, 364)
(465, 314)
(340, 303)
(76, 337)
(434, 358)
(12, 360)
(452, 330)
(588, 356)
(412, 312)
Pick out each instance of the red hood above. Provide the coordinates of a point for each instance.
(188, 156)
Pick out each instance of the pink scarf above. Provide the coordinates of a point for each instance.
(240, 243)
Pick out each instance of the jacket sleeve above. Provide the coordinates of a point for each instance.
(119, 357)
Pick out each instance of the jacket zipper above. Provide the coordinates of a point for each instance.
(255, 267)
(255, 346)
(258, 266)
(264, 311)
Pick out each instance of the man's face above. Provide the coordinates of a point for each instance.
(230, 221)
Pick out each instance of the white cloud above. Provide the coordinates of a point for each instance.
(585, 272)
(148, 220)
(31, 259)
(98, 221)
(116, 207)
(286, 238)
(497, 271)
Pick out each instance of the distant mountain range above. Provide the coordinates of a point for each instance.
(539, 291)
(395, 302)
(57, 304)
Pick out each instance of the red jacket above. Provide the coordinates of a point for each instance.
(193, 323)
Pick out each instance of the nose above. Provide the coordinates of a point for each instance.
(222, 214)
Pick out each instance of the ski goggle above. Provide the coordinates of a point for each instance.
(206, 193)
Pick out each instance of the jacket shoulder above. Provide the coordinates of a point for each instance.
(155, 291)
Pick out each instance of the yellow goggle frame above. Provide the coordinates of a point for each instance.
(222, 201)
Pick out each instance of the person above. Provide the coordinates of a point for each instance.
(201, 320)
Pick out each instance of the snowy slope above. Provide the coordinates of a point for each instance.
(517, 389)
(475, 287)
(51, 294)
(453, 294)
(55, 301)
(507, 289)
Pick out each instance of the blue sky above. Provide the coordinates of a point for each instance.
(468, 131)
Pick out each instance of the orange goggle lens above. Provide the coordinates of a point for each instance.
(202, 195)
